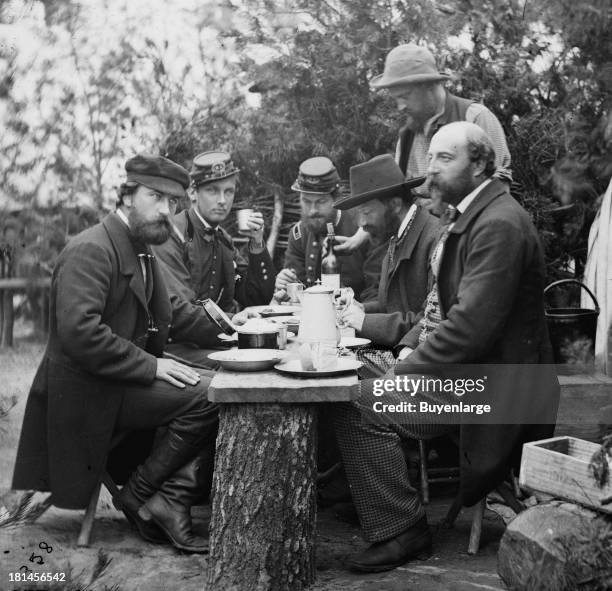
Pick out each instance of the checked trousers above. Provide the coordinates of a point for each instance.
(370, 443)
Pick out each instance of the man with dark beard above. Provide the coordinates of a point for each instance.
(103, 372)
(318, 184)
(406, 234)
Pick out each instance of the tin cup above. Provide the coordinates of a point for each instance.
(295, 291)
(242, 216)
(282, 336)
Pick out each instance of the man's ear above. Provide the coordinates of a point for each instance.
(478, 167)
(395, 204)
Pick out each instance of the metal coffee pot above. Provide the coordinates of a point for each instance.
(318, 316)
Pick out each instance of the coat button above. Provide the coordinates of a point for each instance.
(263, 264)
(310, 268)
(314, 243)
(265, 277)
(312, 256)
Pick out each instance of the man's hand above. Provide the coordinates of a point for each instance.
(353, 316)
(176, 373)
(240, 318)
(280, 296)
(285, 277)
(348, 244)
(256, 228)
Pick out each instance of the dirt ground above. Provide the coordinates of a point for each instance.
(119, 560)
(135, 565)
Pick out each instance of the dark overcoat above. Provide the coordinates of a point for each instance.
(404, 284)
(491, 281)
(98, 343)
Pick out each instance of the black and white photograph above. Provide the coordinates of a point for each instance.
(305, 295)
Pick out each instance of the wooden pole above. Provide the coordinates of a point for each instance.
(264, 506)
(8, 319)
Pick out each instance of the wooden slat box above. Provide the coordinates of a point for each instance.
(560, 467)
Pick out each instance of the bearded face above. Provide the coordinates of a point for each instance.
(149, 216)
(317, 210)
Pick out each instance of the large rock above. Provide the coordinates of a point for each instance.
(557, 547)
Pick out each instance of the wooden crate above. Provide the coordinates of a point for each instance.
(560, 467)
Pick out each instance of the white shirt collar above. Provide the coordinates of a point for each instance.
(465, 202)
(406, 219)
(123, 217)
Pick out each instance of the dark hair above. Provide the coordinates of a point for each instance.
(407, 196)
(481, 148)
(124, 190)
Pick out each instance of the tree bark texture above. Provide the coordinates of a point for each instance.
(264, 505)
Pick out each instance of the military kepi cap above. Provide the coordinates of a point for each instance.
(317, 175)
(158, 173)
(212, 166)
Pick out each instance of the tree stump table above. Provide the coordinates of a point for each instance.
(262, 534)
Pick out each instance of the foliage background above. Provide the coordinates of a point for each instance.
(84, 85)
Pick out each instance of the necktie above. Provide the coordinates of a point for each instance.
(147, 272)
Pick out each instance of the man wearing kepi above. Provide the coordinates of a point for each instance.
(485, 307)
(406, 233)
(199, 260)
(103, 372)
(318, 184)
(412, 79)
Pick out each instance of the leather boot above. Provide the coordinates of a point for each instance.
(170, 453)
(415, 542)
(170, 507)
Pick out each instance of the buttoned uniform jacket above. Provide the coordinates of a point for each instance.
(404, 285)
(359, 270)
(197, 266)
(490, 282)
(98, 344)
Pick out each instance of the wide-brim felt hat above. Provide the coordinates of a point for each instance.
(212, 166)
(408, 64)
(378, 178)
(157, 173)
(317, 175)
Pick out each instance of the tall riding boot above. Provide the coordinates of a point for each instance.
(171, 452)
(170, 506)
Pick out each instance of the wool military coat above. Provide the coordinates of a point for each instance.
(404, 283)
(98, 343)
(490, 281)
(198, 263)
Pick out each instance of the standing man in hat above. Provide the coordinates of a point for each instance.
(412, 79)
(318, 184)
(103, 372)
(406, 233)
(485, 308)
(199, 260)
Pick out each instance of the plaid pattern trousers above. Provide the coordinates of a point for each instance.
(370, 442)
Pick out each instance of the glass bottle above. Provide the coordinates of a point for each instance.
(330, 273)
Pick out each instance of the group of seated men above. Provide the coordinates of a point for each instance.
(463, 285)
